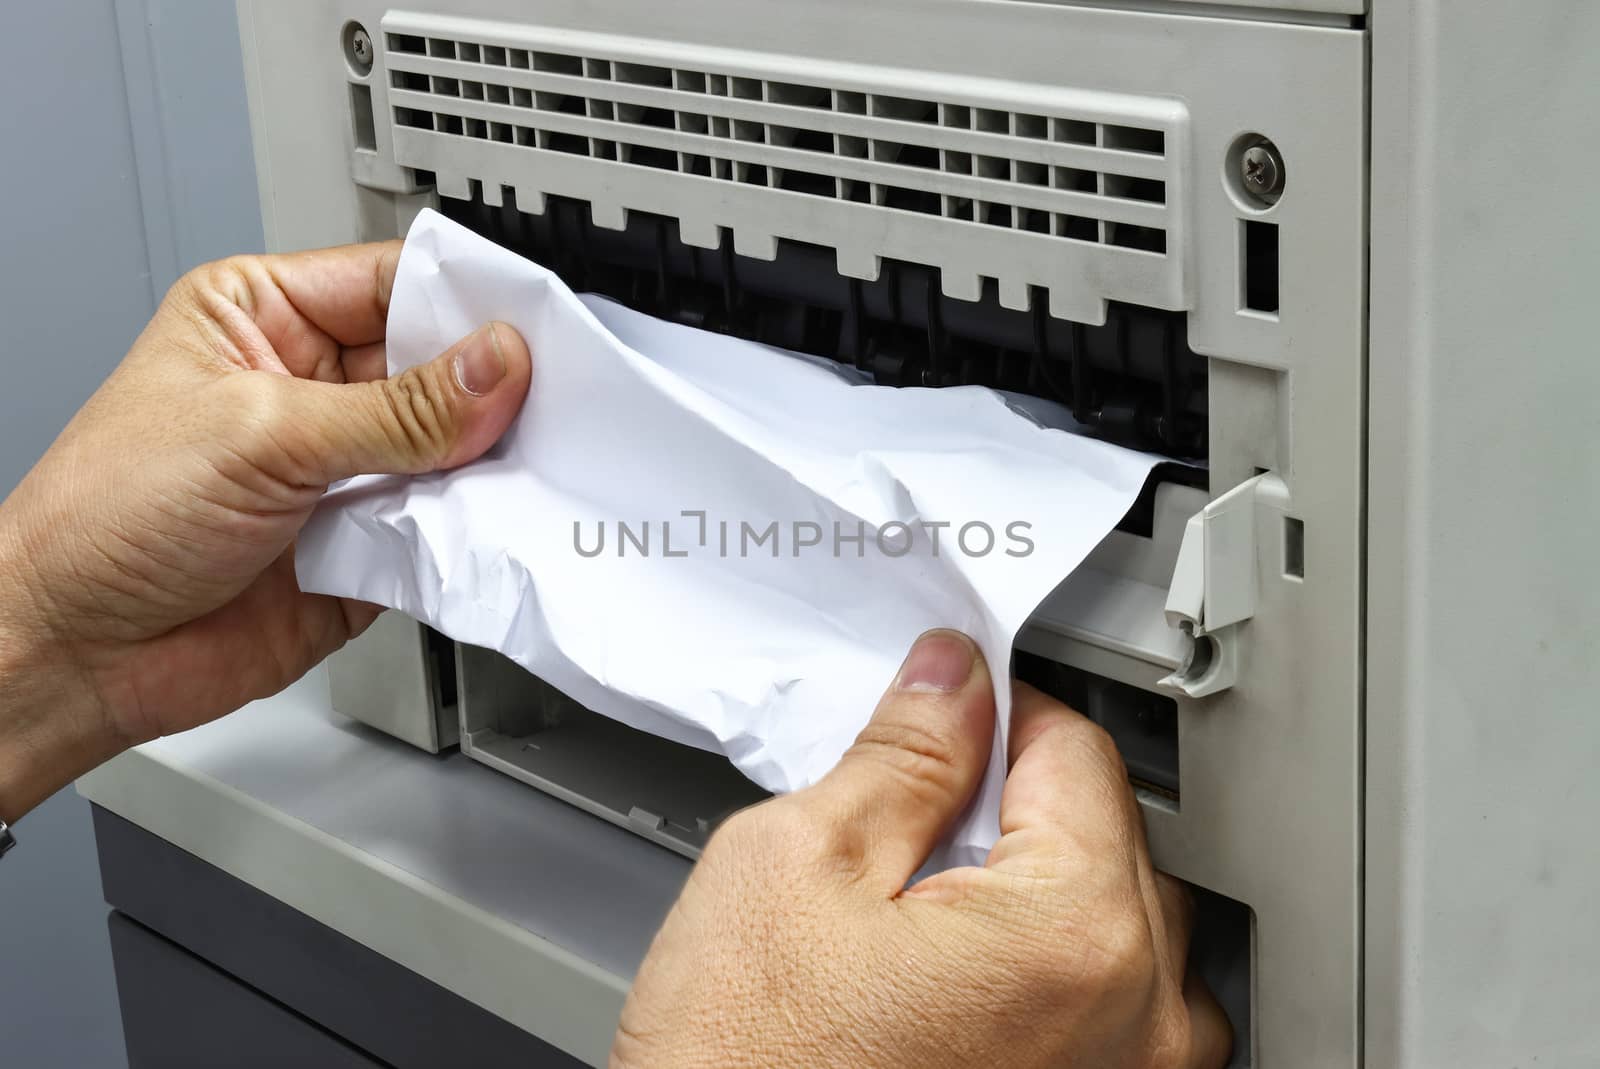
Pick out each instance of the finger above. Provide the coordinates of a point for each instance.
(363, 363)
(1032, 712)
(1210, 1033)
(296, 313)
(1166, 902)
(915, 765)
(342, 292)
(1067, 791)
(360, 615)
(433, 416)
(1176, 906)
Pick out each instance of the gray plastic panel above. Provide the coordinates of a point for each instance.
(518, 902)
(389, 678)
(1484, 502)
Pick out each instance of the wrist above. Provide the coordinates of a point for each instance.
(52, 726)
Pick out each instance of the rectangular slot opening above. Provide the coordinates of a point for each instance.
(1036, 126)
(643, 115)
(992, 122)
(1149, 190)
(1034, 220)
(1072, 131)
(409, 80)
(1143, 724)
(799, 96)
(361, 123)
(642, 74)
(675, 795)
(903, 109)
(1135, 139)
(557, 63)
(1143, 238)
(1074, 179)
(1032, 174)
(419, 120)
(1294, 548)
(1077, 227)
(1260, 255)
(958, 116)
(1221, 951)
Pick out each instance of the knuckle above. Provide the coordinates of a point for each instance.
(927, 760)
(733, 833)
(269, 449)
(229, 278)
(253, 405)
(422, 422)
(768, 828)
(1176, 899)
(789, 838)
(1172, 1042)
(1096, 743)
(1123, 955)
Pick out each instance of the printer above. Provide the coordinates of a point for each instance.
(1155, 213)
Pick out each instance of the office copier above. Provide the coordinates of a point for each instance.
(1211, 230)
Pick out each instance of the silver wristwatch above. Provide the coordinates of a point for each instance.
(7, 840)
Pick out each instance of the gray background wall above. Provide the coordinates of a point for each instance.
(126, 159)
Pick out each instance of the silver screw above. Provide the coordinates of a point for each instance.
(361, 46)
(1261, 170)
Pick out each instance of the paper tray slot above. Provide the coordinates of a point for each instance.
(672, 794)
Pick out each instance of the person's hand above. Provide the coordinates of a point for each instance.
(146, 563)
(797, 943)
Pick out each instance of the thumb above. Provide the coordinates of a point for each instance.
(917, 763)
(433, 416)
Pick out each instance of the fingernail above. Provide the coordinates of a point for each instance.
(480, 365)
(940, 662)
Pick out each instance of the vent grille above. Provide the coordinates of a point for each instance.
(1049, 174)
(1069, 197)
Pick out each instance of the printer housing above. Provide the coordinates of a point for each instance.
(1152, 215)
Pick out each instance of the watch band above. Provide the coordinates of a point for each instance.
(7, 840)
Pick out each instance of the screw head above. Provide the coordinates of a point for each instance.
(1261, 170)
(359, 53)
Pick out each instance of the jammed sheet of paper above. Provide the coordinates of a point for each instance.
(709, 539)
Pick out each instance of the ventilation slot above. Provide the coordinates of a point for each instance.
(1260, 255)
(1060, 177)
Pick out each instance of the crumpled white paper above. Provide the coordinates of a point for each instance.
(885, 512)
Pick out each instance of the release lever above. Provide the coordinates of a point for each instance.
(1213, 587)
